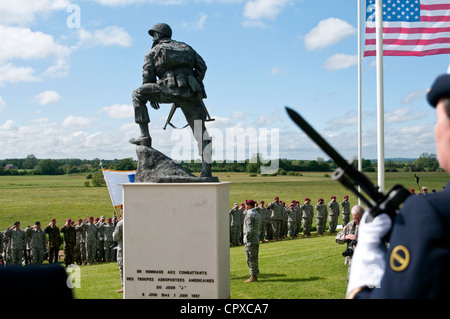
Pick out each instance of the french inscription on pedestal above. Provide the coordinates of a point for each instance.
(159, 283)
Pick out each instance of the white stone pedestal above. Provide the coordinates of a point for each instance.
(176, 240)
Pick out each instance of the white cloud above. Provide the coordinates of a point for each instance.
(257, 10)
(340, 61)
(413, 96)
(239, 115)
(2, 104)
(47, 97)
(13, 74)
(22, 43)
(118, 111)
(276, 70)
(338, 123)
(111, 35)
(197, 25)
(77, 122)
(328, 32)
(17, 43)
(402, 115)
(9, 125)
(116, 3)
(23, 12)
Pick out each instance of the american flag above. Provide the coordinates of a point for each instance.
(410, 27)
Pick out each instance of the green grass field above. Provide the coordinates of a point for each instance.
(304, 268)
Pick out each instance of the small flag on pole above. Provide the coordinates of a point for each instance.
(113, 180)
(410, 27)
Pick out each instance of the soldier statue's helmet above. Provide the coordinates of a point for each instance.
(161, 28)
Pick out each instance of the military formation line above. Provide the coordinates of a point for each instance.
(85, 242)
(279, 220)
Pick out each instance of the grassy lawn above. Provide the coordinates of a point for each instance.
(304, 268)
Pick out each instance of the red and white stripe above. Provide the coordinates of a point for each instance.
(430, 36)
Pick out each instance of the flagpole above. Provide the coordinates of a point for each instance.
(380, 95)
(359, 97)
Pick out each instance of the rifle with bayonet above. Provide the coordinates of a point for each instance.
(376, 201)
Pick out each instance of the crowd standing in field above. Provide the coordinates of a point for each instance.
(279, 220)
(91, 240)
(85, 242)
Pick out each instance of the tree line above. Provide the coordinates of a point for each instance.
(34, 166)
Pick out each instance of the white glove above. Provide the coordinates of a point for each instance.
(369, 258)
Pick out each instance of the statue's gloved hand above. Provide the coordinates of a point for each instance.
(154, 105)
(368, 262)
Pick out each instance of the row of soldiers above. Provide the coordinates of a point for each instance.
(279, 220)
(85, 242)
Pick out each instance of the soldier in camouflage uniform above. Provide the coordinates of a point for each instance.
(27, 248)
(321, 216)
(70, 240)
(241, 222)
(334, 214)
(284, 220)
(307, 216)
(264, 214)
(17, 237)
(349, 234)
(91, 239)
(235, 225)
(345, 211)
(291, 220)
(269, 229)
(117, 237)
(101, 240)
(108, 236)
(80, 246)
(38, 242)
(298, 216)
(276, 217)
(252, 225)
(54, 241)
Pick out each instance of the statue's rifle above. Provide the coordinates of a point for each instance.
(376, 201)
(174, 108)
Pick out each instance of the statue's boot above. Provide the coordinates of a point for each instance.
(144, 138)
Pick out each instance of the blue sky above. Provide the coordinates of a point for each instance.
(68, 68)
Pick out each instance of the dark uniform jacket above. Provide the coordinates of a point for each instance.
(418, 259)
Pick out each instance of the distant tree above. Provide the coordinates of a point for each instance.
(30, 162)
(48, 167)
(98, 180)
(126, 164)
(426, 162)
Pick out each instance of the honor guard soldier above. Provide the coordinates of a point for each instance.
(416, 264)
